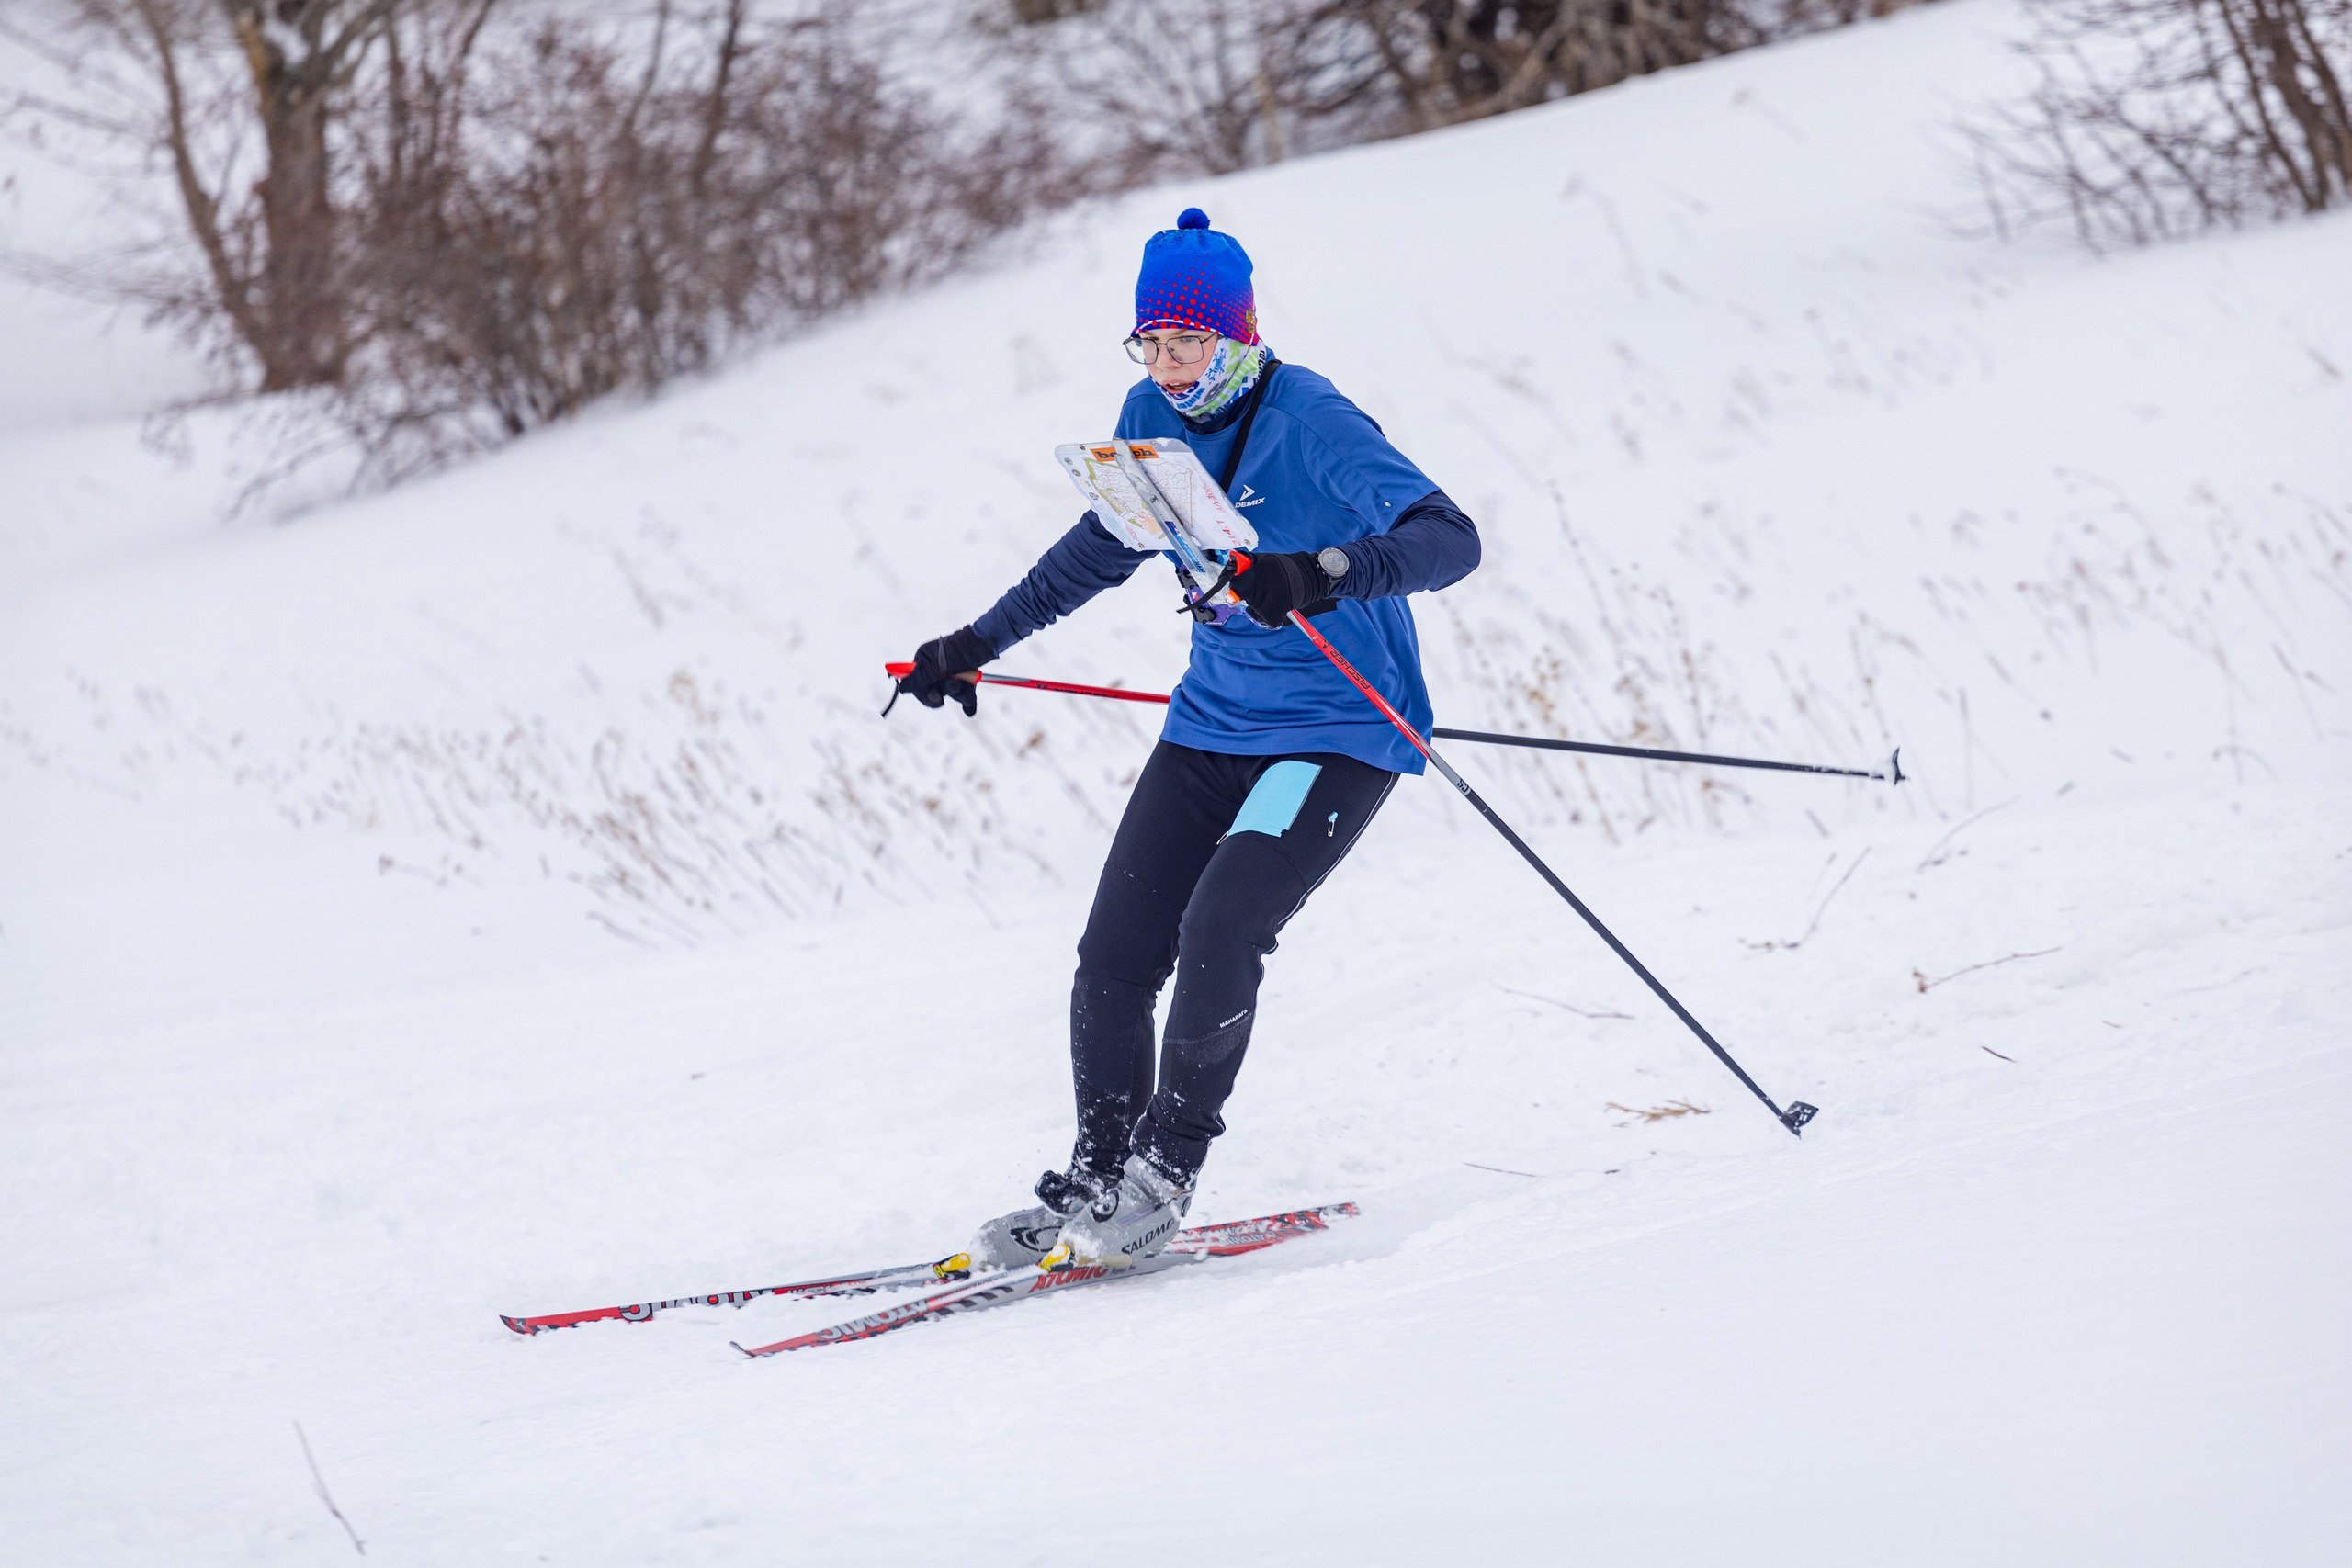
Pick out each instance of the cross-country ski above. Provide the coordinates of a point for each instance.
(1005, 1287)
(956, 1267)
(1226, 1238)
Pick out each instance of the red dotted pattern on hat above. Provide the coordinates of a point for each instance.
(1187, 303)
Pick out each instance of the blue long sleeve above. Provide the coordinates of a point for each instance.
(1432, 545)
(1080, 564)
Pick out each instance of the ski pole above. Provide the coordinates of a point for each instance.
(900, 672)
(1793, 1118)
(1893, 774)
(1205, 585)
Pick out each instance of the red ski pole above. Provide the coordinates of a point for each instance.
(900, 672)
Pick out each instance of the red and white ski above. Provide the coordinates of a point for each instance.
(1198, 1244)
(958, 1267)
(1232, 1237)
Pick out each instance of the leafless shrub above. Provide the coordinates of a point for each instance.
(1606, 652)
(576, 217)
(1148, 88)
(1165, 86)
(1789, 17)
(1448, 60)
(457, 230)
(2153, 118)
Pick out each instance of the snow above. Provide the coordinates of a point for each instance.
(500, 896)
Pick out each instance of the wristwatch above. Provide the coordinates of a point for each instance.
(1333, 560)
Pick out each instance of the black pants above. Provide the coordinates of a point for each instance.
(1210, 863)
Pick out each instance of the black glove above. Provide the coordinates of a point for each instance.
(1274, 585)
(939, 666)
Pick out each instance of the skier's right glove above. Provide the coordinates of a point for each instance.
(941, 667)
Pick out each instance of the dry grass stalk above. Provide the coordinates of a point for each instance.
(1926, 984)
(2155, 118)
(1670, 1110)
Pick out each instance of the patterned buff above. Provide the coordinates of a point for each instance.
(1233, 368)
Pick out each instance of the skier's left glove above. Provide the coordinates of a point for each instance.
(1274, 585)
(941, 665)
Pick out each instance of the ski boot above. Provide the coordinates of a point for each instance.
(1127, 1222)
(1023, 1238)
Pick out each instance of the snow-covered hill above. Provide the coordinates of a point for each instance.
(501, 896)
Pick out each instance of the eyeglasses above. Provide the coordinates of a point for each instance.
(1184, 349)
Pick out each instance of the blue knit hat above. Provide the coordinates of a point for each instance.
(1194, 277)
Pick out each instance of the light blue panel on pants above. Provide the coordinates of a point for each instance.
(1274, 800)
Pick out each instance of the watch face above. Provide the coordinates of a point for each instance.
(1333, 561)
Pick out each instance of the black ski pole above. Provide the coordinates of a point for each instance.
(1793, 1118)
(1893, 774)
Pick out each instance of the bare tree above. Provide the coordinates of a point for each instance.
(579, 213)
(241, 99)
(1152, 87)
(2157, 118)
(1455, 60)
(299, 57)
(1213, 85)
(460, 231)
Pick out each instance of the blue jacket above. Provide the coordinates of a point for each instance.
(1317, 472)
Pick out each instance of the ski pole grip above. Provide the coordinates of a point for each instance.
(899, 672)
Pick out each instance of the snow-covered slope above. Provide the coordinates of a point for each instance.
(501, 896)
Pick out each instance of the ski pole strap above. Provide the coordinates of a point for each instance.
(1200, 602)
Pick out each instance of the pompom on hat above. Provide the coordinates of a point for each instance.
(1193, 276)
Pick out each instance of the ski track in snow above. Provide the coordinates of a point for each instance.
(500, 896)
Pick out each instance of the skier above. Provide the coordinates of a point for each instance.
(1270, 765)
